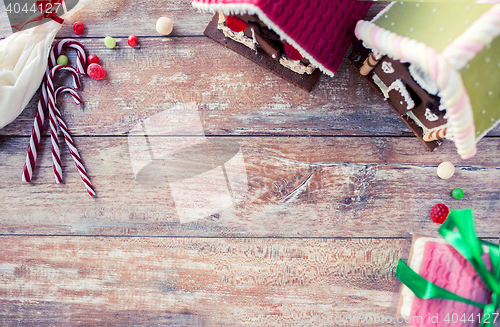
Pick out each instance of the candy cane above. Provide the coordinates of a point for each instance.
(34, 142)
(69, 140)
(56, 151)
(43, 102)
(70, 43)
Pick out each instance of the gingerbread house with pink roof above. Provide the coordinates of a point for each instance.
(297, 39)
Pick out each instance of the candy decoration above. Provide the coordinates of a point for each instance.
(445, 170)
(292, 53)
(370, 63)
(435, 135)
(69, 140)
(132, 40)
(78, 28)
(69, 43)
(164, 25)
(62, 60)
(56, 152)
(235, 24)
(457, 193)
(46, 103)
(92, 59)
(439, 213)
(96, 72)
(43, 102)
(109, 42)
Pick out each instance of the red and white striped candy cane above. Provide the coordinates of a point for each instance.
(33, 147)
(70, 43)
(69, 140)
(34, 142)
(56, 151)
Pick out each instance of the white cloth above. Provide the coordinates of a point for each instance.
(23, 61)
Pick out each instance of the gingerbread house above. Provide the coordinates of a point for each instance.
(438, 66)
(297, 39)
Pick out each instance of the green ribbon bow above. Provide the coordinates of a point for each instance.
(470, 247)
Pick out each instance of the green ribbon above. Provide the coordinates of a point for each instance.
(470, 247)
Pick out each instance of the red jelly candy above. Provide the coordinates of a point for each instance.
(132, 40)
(439, 213)
(96, 72)
(78, 28)
(292, 53)
(92, 59)
(235, 24)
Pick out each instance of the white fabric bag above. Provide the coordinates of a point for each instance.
(23, 61)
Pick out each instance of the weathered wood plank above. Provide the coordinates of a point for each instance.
(195, 282)
(234, 95)
(324, 187)
(123, 18)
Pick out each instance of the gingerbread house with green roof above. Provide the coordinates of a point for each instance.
(438, 67)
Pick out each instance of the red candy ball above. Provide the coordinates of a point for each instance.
(292, 53)
(439, 213)
(235, 24)
(92, 59)
(78, 28)
(132, 40)
(96, 72)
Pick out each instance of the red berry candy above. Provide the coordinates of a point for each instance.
(78, 28)
(132, 40)
(439, 213)
(292, 53)
(235, 24)
(96, 72)
(92, 59)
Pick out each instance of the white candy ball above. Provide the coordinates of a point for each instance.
(164, 25)
(445, 170)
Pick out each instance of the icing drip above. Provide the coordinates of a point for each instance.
(423, 79)
(296, 65)
(430, 116)
(238, 37)
(398, 86)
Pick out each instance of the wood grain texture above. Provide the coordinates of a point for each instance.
(318, 187)
(235, 96)
(194, 282)
(121, 18)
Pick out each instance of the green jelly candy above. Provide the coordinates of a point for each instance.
(62, 60)
(457, 193)
(109, 42)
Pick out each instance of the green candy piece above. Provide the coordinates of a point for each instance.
(457, 193)
(62, 60)
(109, 42)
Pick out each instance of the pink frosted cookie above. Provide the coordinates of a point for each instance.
(439, 263)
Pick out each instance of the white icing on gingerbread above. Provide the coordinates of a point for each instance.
(398, 86)
(387, 67)
(430, 116)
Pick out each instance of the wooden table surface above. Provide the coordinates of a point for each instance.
(335, 182)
